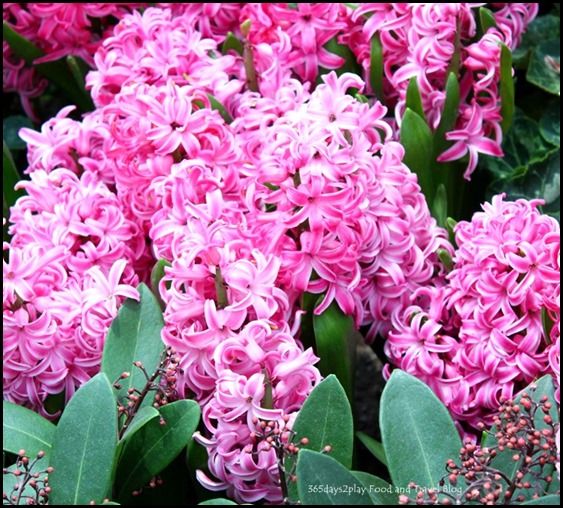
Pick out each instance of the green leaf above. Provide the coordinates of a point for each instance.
(232, 42)
(522, 146)
(550, 124)
(542, 181)
(503, 461)
(448, 118)
(380, 492)
(446, 259)
(12, 126)
(506, 88)
(376, 68)
(440, 205)
(539, 30)
(551, 500)
(374, 447)
(134, 336)
(78, 68)
(413, 99)
(321, 480)
(216, 501)
(541, 72)
(144, 416)
(154, 445)
(217, 106)
(416, 138)
(335, 345)
(9, 481)
(487, 20)
(325, 419)
(84, 445)
(23, 429)
(56, 72)
(417, 447)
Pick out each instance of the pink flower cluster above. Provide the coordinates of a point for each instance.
(69, 267)
(495, 326)
(422, 40)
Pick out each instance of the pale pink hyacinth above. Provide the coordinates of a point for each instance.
(482, 336)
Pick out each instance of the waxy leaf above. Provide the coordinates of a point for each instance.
(374, 447)
(413, 99)
(486, 20)
(550, 124)
(12, 126)
(542, 71)
(503, 461)
(335, 345)
(416, 138)
(84, 445)
(417, 447)
(24, 429)
(134, 336)
(552, 500)
(321, 480)
(216, 502)
(325, 419)
(380, 492)
(376, 68)
(144, 416)
(155, 445)
(506, 88)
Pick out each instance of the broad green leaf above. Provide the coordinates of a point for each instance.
(12, 126)
(335, 345)
(522, 146)
(84, 445)
(541, 72)
(23, 429)
(144, 416)
(413, 99)
(552, 500)
(232, 42)
(550, 124)
(134, 336)
(56, 72)
(380, 492)
(325, 419)
(376, 68)
(503, 460)
(542, 180)
(321, 480)
(539, 30)
(416, 138)
(417, 446)
(217, 106)
(506, 88)
(217, 501)
(374, 447)
(153, 446)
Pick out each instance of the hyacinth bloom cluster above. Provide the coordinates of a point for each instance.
(495, 326)
(304, 191)
(422, 40)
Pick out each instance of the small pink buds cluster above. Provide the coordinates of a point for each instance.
(162, 381)
(32, 483)
(524, 428)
